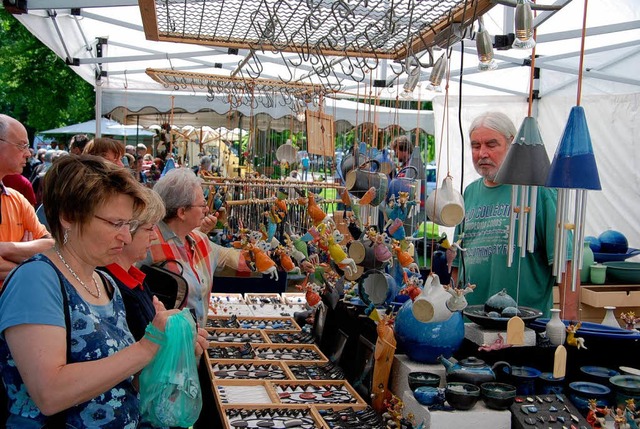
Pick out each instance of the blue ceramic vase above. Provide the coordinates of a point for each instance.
(424, 342)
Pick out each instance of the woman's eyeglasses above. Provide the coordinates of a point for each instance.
(132, 225)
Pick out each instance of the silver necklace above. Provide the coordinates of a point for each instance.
(98, 293)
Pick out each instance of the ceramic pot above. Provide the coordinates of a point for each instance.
(523, 377)
(377, 287)
(550, 385)
(587, 261)
(445, 205)
(462, 396)
(555, 330)
(497, 396)
(424, 342)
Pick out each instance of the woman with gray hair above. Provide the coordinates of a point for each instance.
(179, 239)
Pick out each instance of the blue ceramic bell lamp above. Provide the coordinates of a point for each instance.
(527, 162)
(574, 164)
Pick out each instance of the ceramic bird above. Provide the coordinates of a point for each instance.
(338, 255)
(404, 258)
(264, 264)
(316, 214)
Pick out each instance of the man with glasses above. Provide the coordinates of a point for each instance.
(21, 234)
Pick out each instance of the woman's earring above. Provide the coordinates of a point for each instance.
(65, 236)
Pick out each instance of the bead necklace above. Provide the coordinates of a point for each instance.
(75, 276)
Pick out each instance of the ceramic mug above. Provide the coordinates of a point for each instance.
(597, 274)
(445, 205)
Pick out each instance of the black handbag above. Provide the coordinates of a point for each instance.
(171, 288)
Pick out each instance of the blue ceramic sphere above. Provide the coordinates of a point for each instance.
(613, 242)
(594, 243)
(424, 342)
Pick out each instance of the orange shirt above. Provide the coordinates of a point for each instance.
(17, 215)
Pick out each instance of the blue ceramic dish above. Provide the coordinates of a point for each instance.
(589, 329)
(627, 384)
(582, 391)
(599, 374)
(610, 257)
(428, 395)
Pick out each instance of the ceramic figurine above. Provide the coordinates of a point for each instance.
(596, 415)
(630, 320)
(630, 413)
(264, 264)
(458, 302)
(285, 260)
(498, 344)
(572, 340)
(383, 356)
(619, 420)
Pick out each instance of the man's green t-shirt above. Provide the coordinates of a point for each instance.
(486, 233)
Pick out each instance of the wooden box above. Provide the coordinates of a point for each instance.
(611, 295)
(321, 394)
(227, 304)
(289, 353)
(289, 337)
(254, 414)
(239, 393)
(252, 322)
(294, 297)
(315, 371)
(229, 335)
(263, 298)
(248, 370)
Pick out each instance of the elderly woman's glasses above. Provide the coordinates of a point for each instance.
(131, 225)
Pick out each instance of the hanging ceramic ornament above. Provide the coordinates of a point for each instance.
(560, 362)
(573, 168)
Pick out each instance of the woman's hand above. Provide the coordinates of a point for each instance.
(159, 322)
(201, 342)
(208, 223)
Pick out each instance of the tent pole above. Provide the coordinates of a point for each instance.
(98, 87)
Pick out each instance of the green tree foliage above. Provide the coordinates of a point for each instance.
(37, 87)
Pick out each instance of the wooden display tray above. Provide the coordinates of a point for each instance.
(291, 367)
(256, 336)
(260, 298)
(611, 295)
(308, 412)
(250, 366)
(253, 322)
(357, 402)
(284, 333)
(230, 298)
(239, 310)
(258, 349)
(294, 297)
(228, 386)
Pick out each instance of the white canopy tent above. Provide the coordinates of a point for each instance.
(107, 36)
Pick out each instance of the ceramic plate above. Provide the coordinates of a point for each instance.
(585, 387)
(628, 383)
(599, 371)
(608, 257)
(627, 370)
(476, 314)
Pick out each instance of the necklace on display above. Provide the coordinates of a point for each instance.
(97, 294)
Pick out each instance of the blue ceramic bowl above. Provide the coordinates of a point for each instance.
(498, 396)
(427, 395)
(462, 396)
(523, 377)
(598, 374)
(418, 379)
(627, 384)
(548, 384)
(581, 391)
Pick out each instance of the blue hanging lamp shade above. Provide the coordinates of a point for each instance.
(574, 164)
(527, 162)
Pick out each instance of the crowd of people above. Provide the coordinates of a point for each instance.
(108, 208)
(75, 309)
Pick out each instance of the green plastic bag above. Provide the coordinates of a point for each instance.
(170, 392)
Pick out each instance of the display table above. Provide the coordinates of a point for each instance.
(479, 417)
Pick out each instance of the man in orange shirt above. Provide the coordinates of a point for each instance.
(21, 234)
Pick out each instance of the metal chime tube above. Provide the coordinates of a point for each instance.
(559, 236)
(533, 201)
(512, 224)
(522, 223)
(566, 201)
(578, 235)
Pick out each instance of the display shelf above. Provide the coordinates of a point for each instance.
(611, 295)
(243, 370)
(480, 335)
(230, 335)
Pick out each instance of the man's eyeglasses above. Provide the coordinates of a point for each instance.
(21, 146)
(198, 205)
(132, 225)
